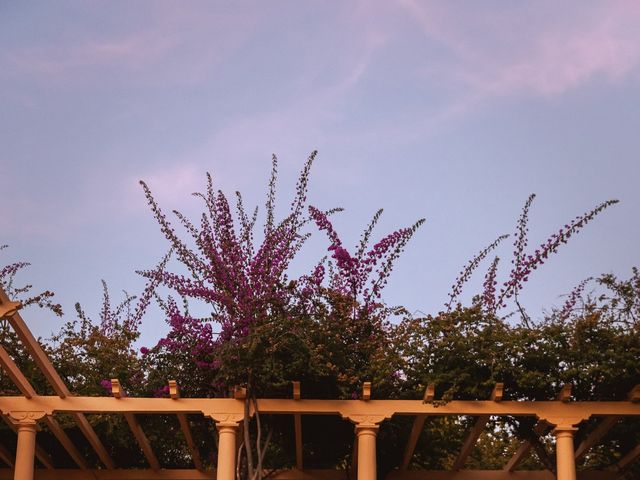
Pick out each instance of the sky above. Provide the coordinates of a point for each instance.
(448, 110)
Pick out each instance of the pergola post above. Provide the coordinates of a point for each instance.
(25, 453)
(227, 425)
(366, 434)
(26, 423)
(227, 433)
(565, 455)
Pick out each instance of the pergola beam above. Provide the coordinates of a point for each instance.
(525, 447)
(192, 474)
(28, 391)
(136, 429)
(344, 408)
(15, 374)
(416, 429)
(38, 354)
(54, 379)
(44, 458)
(628, 459)
(6, 456)
(601, 430)
(541, 428)
(142, 440)
(174, 393)
(596, 435)
(65, 441)
(470, 441)
(476, 431)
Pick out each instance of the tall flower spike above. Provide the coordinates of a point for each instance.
(467, 271)
(532, 261)
(572, 300)
(489, 286)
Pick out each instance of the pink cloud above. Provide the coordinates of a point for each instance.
(544, 49)
(171, 185)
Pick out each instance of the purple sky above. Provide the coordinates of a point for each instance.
(453, 111)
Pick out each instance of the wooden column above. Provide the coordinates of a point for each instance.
(227, 432)
(25, 453)
(26, 449)
(565, 455)
(366, 434)
(227, 425)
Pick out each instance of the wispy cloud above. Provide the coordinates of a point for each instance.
(541, 49)
(172, 46)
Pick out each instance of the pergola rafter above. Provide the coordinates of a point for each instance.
(27, 390)
(174, 392)
(47, 369)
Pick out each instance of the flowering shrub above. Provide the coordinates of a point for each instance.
(267, 329)
(330, 329)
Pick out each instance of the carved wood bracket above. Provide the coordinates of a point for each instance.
(565, 423)
(225, 419)
(26, 417)
(366, 420)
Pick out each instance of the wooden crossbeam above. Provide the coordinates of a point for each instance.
(628, 459)
(344, 408)
(44, 458)
(143, 442)
(38, 354)
(54, 379)
(594, 437)
(601, 430)
(15, 374)
(91, 436)
(28, 391)
(188, 437)
(6, 457)
(192, 474)
(476, 431)
(416, 429)
(65, 441)
(297, 426)
(174, 393)
(540, 429)
(470, 441)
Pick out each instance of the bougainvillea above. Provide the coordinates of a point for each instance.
(241, 282)
(364, 274)
(236, 316)
(266, 327)
(523, 263)
(7, 281)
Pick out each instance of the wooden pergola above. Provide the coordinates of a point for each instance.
(23, 413)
